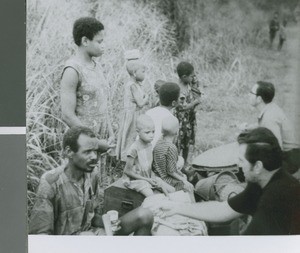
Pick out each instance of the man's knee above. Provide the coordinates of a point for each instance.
(145, 217)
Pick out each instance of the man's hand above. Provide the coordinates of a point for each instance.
(116, 227)
(166, 208)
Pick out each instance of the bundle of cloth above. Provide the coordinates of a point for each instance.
(175, 224)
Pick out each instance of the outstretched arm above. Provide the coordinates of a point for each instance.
(69, 84)
(211, 211)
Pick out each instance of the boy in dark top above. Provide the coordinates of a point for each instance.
(272, 196)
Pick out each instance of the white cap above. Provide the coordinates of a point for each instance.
(133, 54)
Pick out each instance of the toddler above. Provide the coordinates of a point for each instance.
(135, 100)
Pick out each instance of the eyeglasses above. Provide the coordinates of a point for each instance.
(253, 93)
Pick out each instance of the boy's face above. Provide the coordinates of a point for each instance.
(188, 79)
(95, 46)
(140, 73)
(146, 134)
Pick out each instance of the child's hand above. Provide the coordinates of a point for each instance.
(146, 97)
(153, 182)
(188, 186)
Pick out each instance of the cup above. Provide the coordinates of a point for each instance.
(113, 216)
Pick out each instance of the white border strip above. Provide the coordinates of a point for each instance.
(12, 130)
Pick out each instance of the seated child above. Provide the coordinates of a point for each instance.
(166, 162)
(139, 161)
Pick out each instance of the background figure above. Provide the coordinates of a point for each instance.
(273, 28)
(135, 100)
(185, 111)
(282, 34)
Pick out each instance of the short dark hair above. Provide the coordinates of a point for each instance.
(184, 68)
(71, 136)
(168, 93)
(87, 27)
(262, 145)
(266, 91)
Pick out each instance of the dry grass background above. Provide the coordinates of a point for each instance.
(225, 40)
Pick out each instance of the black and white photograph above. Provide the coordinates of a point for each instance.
(163, 118)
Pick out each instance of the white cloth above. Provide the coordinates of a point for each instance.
(157, 114)
(176, 224)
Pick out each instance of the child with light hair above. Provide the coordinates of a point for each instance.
(138, 168)
(166, 162)
(135, 100)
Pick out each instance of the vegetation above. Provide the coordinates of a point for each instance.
(225, 40)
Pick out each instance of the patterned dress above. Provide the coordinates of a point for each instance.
(92, 105)
(187, 119)
(91, 97)
(127, 130)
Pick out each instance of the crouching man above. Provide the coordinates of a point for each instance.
(68, 200)
(272, 196)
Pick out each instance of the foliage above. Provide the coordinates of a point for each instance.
(225, 41)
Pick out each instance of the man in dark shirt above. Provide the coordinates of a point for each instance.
(272, 196)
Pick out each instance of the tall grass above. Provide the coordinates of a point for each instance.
(224, 41)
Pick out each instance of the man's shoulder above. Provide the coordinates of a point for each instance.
(274, 111)
(53, 175)
(284, 186)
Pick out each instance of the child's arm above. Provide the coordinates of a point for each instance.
(187, 185)
(177, 176)
(192, 104)
(128, 171)
(69, 84)
(140, 101)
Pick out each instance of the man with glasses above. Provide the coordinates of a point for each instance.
(272, 117)
(272, 196)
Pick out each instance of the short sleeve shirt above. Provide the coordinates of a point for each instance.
(165, 156)
(273, 118)
(275, 209)
(143, 157)
(63, 207)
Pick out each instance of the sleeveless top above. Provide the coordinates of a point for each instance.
(91, 96)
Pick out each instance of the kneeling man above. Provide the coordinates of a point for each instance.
(272, 196)
(68, 200)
